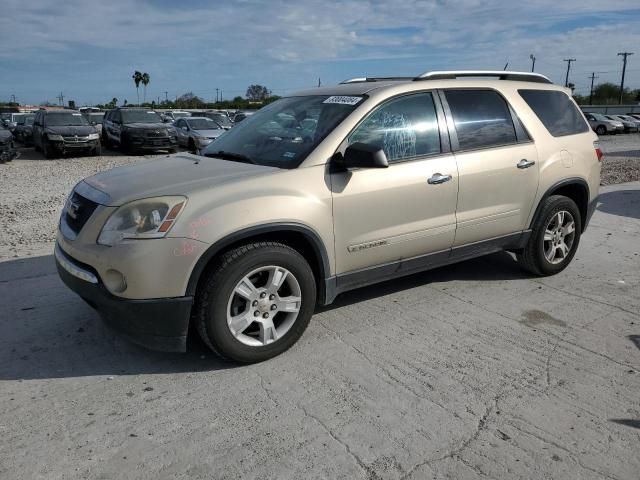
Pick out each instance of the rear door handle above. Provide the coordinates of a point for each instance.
(438, 178)
(524, 163)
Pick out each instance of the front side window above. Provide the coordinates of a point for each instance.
(482, 118)
(404, 128)
(285, 132)
(556, 111)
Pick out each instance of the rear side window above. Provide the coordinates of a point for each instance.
(482, 118)
(556, 111)
(404, 128)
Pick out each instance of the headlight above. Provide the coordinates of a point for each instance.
(148, 218)
(94, 136)
(54, 137)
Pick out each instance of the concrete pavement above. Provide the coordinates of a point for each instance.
(472, 371)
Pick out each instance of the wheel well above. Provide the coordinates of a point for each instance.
(576, 192)
(298, 240)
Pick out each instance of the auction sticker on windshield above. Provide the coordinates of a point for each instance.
(343, 100)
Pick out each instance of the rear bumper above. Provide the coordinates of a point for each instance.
(158, 324)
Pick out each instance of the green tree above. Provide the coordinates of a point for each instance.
(257, 93)
(137, 78)
(146, 78)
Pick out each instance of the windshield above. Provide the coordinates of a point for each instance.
(96, 117)
(203, 124)
(29, 120)
(220, 118)
(285, 132)
(65, 119)
(140, 116)
(177, 115)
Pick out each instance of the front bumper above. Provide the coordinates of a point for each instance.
(158, 324)
(64, 146)
(152, 143)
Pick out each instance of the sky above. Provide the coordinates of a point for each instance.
(89, 49)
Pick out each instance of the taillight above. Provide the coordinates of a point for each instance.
(599, 153)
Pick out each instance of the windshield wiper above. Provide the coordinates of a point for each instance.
(236, 157)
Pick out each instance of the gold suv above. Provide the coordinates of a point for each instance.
(325, 191)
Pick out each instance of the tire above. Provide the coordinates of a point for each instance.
(601, 130)
(192, 146)
(535, 255)
(217, 300)
(47, 151)
(97, 151)
(105, 141)
(173, 150)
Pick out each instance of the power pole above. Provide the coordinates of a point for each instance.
(319, 83)
(533, 61)
(217, 90)
(566, 79)
(624, 56)
(13, 98)
(166, 97)
(61, 99)
(592, 77)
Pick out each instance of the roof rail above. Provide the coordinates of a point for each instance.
(375, 79)
(500, 74)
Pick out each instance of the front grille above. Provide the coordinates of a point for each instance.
(157, 133)
(77, 211)
(75, 139)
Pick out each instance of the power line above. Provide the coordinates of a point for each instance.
(624, 56)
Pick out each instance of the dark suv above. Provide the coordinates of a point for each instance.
(57, 132)
(137, 129)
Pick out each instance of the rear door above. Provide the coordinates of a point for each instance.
(497, 165)
(384, 215)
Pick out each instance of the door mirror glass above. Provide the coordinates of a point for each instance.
(362, 155)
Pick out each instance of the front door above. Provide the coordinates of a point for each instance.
(385, 215)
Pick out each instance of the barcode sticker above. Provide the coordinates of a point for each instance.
(341, 100)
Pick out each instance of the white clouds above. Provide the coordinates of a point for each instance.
(279, 35)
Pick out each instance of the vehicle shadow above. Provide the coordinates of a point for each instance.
(47, 331)
(495, 267)
(624, 203)
(30, 153)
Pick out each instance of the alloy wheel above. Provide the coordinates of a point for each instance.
(559, 236)
(264, 305)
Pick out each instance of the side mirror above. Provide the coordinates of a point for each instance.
(362, 155)
(93, 123)
(185, 128)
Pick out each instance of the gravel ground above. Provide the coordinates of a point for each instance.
(33, 190)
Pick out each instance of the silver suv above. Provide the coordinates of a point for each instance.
(325, 191)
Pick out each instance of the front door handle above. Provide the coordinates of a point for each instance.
(524, 163)
(438, 178)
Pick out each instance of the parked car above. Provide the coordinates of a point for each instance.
(173, 115)
(602, 125)
(58, 132)
(628, 126)
(23, 132)
(95, 119)
(240, 116)
(197, 132)
(7, 148)
(136, 130)
(246, 241)
(630, 119)
(14, 119)
(88, 110)
(220, 118)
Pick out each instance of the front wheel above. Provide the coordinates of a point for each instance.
(601, 130)
(255, 302)
(47, 150)
(554, 238)
(98, 150)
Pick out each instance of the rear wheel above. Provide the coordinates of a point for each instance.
(554, 238)
(255, 302)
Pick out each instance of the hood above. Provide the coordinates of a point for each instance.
(180, 174)
(147, 125)
(80, 130)
(215, 133)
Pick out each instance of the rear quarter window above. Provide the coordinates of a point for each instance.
(556, 111)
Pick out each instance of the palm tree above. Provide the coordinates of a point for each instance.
(137, 78)
(114, 102)
(145, 81)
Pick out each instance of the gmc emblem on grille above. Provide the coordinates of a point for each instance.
(72, 209)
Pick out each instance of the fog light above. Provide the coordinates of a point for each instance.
(114, 281)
